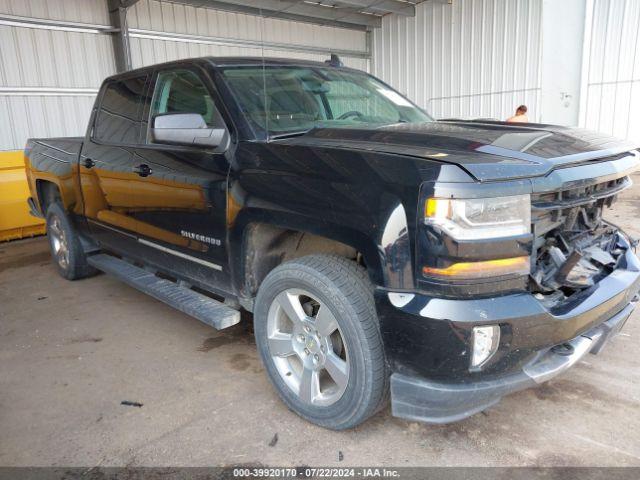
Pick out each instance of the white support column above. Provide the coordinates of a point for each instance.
(563, 25)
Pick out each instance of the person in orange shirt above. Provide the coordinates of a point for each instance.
(520, 116)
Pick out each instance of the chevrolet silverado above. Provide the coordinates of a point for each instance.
(438, 265)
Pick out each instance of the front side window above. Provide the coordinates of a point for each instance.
(287, 99)
(182, 91)
(117, 120)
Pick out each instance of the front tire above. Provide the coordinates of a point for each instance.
(317, 332)
(66, 250)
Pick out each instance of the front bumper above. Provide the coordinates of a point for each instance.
(428, 341)
(422, 400)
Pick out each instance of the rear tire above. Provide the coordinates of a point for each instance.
(66, 250)
(318, 334)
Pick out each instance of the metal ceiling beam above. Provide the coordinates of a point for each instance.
(383, 6)
(47, 24)
(242, 42)
(331, 13)
(294, 10)
(121, 44)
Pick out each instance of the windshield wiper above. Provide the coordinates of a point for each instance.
(290, 134)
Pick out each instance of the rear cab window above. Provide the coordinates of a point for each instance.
(118, 117)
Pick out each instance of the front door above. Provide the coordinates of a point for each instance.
(180, 193)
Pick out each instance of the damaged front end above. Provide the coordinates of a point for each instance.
(574, 247)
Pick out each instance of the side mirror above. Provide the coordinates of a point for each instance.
(187, 129)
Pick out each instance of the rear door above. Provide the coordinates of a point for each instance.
(180, 193)
(106, 162)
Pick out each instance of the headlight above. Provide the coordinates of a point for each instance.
(480, 218)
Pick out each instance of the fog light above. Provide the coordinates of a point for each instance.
(485, 343)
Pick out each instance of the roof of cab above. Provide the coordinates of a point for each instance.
(227, 62)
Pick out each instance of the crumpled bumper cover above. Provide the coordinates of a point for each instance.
(417, 399)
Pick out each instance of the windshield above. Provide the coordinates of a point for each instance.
(285, 100)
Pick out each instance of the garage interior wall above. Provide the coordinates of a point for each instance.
(50, 71)
(468, 59)
(49, 75)
(164, 31)
(610, 97)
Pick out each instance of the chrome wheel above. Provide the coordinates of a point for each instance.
(59, 243)
(307, 347)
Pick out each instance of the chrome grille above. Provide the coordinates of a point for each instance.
(553, 209)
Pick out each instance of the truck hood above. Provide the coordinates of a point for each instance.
(488, 151)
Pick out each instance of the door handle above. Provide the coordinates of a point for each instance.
(143, 170)
(88, 163)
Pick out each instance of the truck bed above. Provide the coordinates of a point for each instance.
(53, 161)
(53, 155)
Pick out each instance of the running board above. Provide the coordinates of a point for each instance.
(207, 310)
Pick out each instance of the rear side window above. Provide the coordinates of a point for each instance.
(118, 117)
(182, 91)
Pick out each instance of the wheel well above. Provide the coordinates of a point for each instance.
(48, 192)
(267, 246)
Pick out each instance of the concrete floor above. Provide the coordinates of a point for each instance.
(70, 352)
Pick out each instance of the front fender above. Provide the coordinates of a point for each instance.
(385, 248)
(366, 200)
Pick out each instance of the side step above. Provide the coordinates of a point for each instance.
(205, 309)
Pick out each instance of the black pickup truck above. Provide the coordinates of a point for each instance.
(383, 254)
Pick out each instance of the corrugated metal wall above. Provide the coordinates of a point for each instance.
(49, 75)
(474, 58)
(611, 69)
(219, 33)
(50, 72)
